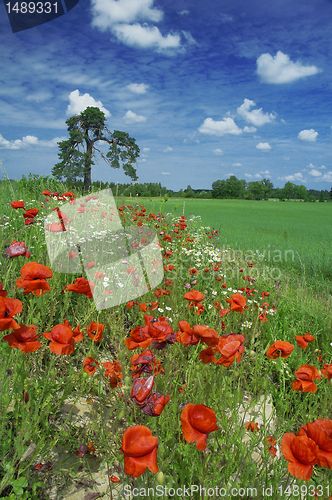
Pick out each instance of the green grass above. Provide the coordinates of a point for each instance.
(49, 379)
(300, 234)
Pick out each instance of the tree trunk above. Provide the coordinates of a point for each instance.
(87, 166)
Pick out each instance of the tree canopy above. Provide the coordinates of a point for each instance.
(77, 152)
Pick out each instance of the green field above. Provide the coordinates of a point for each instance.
(277, 230)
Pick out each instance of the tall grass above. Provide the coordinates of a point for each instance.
(38, 438)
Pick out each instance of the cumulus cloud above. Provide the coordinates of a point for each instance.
(294, 177)
(183, 12)
(109, 12)
(145, 37)
(78, 103)
(131, 117)
(315, 173)
(145, 150)
(29, 140)
(122, 18)
(237, 165)
(168, 149)
(308, 135)
(218, 151)
(165, 173)
(225, 126)
(138, 88)
(255, 176)
(266, 173)
(255, 116)
(264, 146)
(249, 129)
(280, 69)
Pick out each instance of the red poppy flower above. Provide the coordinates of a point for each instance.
(237, 302)
(90, 365)
(148, 306)
(279, 347)
(113, 371)
(33, 278)
(17, 249)
(90, 264)
(230, 348)
(186, 334)
(17, 204)
(252, 426)
(206, 335)
(95, 331)
(207, 356)
(305, 379)
(303, 341)
(140, 450)
(197, 423)
(320, 431)
(114, 479)
(25, 338)
(155, 404)
(83, 286)
(63, 338)
(327, 371)
(8, 309)
(46, 193)
(141, 390)
(301, 453)
(271, 441)
(31, 213)
(194, 296)
(3, 293)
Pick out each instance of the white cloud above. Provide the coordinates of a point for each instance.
(218, 151)
(327, 177)
(183, 12)
(280, 69)
(138, 88)
(168, 149)
(266, 172)
(165, 173)
(295, 177)
(146, 150)
(142, 159)
(132, 117)
(190, 39)
(256, 116)
(226, 18)
(146, 37)
(29, 140)
(249, 129)
(236, 164)
(78, 103)
(122, 16)
(39, 96)
(314, 173)
(308, 135)
(226, 126)
(264, 146)
(106, 13)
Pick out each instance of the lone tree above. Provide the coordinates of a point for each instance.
(77, 152)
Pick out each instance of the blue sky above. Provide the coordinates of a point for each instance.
(207, 88)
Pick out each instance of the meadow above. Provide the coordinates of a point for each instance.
(215, 383)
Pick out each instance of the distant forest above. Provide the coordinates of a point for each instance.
(230, 188)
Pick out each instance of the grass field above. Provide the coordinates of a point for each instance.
(192, 407)
(277, 230)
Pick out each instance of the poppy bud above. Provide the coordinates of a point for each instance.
(127, 380)
(160, 478)
(121, 414)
